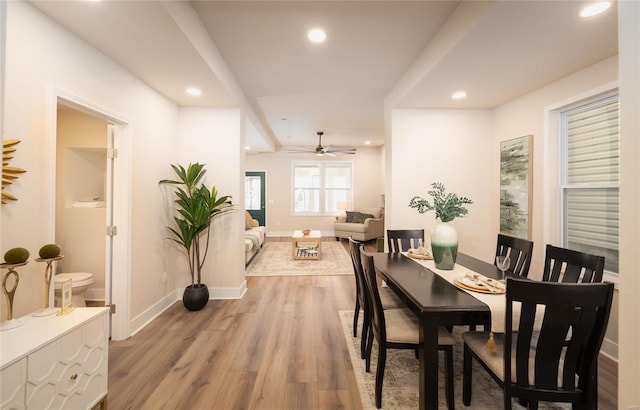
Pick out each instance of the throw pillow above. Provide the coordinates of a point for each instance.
(248, 221)
(350, 215)
(360, 218)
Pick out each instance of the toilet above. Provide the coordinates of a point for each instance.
(80, 282)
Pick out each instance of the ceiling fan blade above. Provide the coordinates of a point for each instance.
(296, 149)
(343, 151)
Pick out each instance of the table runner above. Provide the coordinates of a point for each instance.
(495, 302)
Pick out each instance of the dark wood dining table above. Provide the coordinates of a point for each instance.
(435, 302)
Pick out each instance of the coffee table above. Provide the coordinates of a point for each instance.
(306, 246)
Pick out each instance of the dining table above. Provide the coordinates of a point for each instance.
(436, 302)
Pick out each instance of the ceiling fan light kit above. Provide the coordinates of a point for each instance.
(321, 151)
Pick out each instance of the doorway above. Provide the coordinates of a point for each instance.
(254, 195)
(82, 206)
(106, 168)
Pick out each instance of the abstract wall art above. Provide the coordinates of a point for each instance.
(516, 186)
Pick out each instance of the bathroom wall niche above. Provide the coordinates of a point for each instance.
(85, 174)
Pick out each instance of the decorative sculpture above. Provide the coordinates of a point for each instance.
(48, 276)
(9, 173)
(10, 323)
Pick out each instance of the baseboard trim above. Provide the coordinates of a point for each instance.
(94, 294)
(139, 322)
(228, 293)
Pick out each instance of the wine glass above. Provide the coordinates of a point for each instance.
(503, 263)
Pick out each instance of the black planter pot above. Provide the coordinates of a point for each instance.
(195, 297)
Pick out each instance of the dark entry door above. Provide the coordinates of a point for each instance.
(254, 195)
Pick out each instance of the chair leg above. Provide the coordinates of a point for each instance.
(366, 323)
(533, 404)
(382, 359)
(507, 401)
(356, 314)
(466, 376)
(367, 359)
(448, 364)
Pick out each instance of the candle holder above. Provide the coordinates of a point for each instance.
(48, 276)
(10, 323)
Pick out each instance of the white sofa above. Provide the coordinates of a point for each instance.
(254, 236)
(372, 228)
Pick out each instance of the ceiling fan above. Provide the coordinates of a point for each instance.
(322, 151)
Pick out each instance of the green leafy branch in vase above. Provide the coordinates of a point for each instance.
(447, 206)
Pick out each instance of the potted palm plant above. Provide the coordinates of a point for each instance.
(444, 237)
(196, 206)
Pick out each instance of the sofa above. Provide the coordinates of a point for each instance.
(361, 224)
(254, 236)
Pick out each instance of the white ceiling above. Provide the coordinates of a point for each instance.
(255, 54)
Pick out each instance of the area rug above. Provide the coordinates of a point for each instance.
(400, 387)
(275, 259)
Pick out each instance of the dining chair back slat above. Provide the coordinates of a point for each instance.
(567, 265)
(519, 252)
(401, 240)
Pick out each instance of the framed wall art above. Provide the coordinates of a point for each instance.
(516, 186)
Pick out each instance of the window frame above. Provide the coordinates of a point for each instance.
(563, 185)
(322, 190)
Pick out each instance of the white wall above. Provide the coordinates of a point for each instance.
(215, 138)
(368, 185)
(41, 55)
(449, 146)
(629, 363)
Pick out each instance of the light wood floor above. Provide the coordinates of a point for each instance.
(280, 347)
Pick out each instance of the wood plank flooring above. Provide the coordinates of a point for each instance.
(280, 347)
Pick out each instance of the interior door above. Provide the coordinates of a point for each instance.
(254, 195)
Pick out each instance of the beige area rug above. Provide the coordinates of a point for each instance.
(274, 259)
(400, 386)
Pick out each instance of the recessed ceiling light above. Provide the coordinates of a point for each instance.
(459, 95)
(194, 91)
(595, 8)
(247, 147)
(367, 142)
(317, 35)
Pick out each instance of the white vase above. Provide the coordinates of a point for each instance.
(444, 245)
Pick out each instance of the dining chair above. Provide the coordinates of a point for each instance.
(400, 240)
(519, 252)
(389, 298)
(566, 265)
(533, 360)
(398, 329)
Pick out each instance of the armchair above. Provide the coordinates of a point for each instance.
(371, 228)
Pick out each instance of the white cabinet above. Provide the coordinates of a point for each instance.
(56, 362)
(12, 385)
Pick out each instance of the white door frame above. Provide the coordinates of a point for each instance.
(119, 284)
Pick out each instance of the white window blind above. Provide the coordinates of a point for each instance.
(590, 135)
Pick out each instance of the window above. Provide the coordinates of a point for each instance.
(319, 186)
(590, 178)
